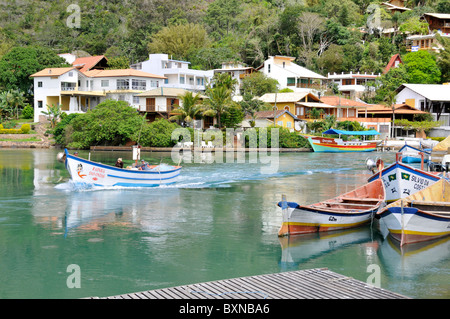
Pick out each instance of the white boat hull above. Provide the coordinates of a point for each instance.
(300, 221)
(414, 225)
(402, 180)
(88, 172)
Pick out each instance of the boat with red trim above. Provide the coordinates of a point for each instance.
(348, 210)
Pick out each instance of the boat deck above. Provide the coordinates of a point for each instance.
(301, 284)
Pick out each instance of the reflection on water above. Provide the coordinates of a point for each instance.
(219, 221)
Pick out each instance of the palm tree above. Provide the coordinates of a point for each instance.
(219, 99)
(190, 108)
(225, 80)
(10, 102)
(54, 113)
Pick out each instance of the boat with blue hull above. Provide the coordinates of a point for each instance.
(98, 174)
(413, 155)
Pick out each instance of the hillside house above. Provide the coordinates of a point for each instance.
(76, 91)
(291, 75)
(177, 73)
(353, 85)
(432, 98)
(237, 71)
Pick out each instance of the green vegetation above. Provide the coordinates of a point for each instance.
(322, 35)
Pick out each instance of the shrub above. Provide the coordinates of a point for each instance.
(26, 128)
(157, 134)
(10, 131)
(27, 112)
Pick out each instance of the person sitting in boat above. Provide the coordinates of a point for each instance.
(144, 166)
(119, 163)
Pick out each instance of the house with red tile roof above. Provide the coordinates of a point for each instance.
(394, 62)
(82, 87)
(98, 62)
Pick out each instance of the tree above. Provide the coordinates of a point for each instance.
(118, 63)
(421, 68)
(110, 123)
(414, 25)
(18, 64)
(390, 82)
(443, 59)
(191, 108)
(218, 101)
(54, 113)
(178, 40)
(10, 102)
(258, 84)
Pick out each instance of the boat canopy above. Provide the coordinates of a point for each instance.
(341, 132)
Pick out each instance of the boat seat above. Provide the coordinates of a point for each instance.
(329, 204)
(357, 199)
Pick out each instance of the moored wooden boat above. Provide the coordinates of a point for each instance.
(348, 210)
(401, 180)
(93, 173)
(422, 216)
(337, 145)
(413, 155)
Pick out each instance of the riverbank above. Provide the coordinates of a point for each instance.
(37, 140)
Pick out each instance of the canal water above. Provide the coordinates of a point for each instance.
(60, 240)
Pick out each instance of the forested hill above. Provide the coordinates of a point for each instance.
(323, 35)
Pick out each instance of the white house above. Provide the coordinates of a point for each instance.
(238, 71)
(353, 84)
(433, 98)
(177, 73)
(76, 91)
(291, 75)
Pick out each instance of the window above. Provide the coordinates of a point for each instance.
(105, 83)
(288, 124)
(166, 81)
(40, 104)
(181, 79)
(135, 99)
(268, 68)
(154, 84)
(39, 84)
(138, 84)
(347, 81)
(70, 74)
(290, 81)
(123, 84)
(87, 84)
(280, 123)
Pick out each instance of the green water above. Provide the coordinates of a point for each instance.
(219, 221)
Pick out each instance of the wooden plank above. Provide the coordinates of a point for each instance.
(309, 284)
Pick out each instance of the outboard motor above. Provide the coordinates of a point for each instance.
(371, 165)
(61, 157)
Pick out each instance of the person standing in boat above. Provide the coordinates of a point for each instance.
(119, 163)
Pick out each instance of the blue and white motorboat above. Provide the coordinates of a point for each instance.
(97, 174)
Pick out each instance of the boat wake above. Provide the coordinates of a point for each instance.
(198, 178)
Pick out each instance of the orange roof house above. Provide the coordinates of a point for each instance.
(52, 72)
(92, 62)
(402, 111)
(121, 72)
(393, 63)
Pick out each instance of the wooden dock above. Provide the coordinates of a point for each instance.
(301, 284)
